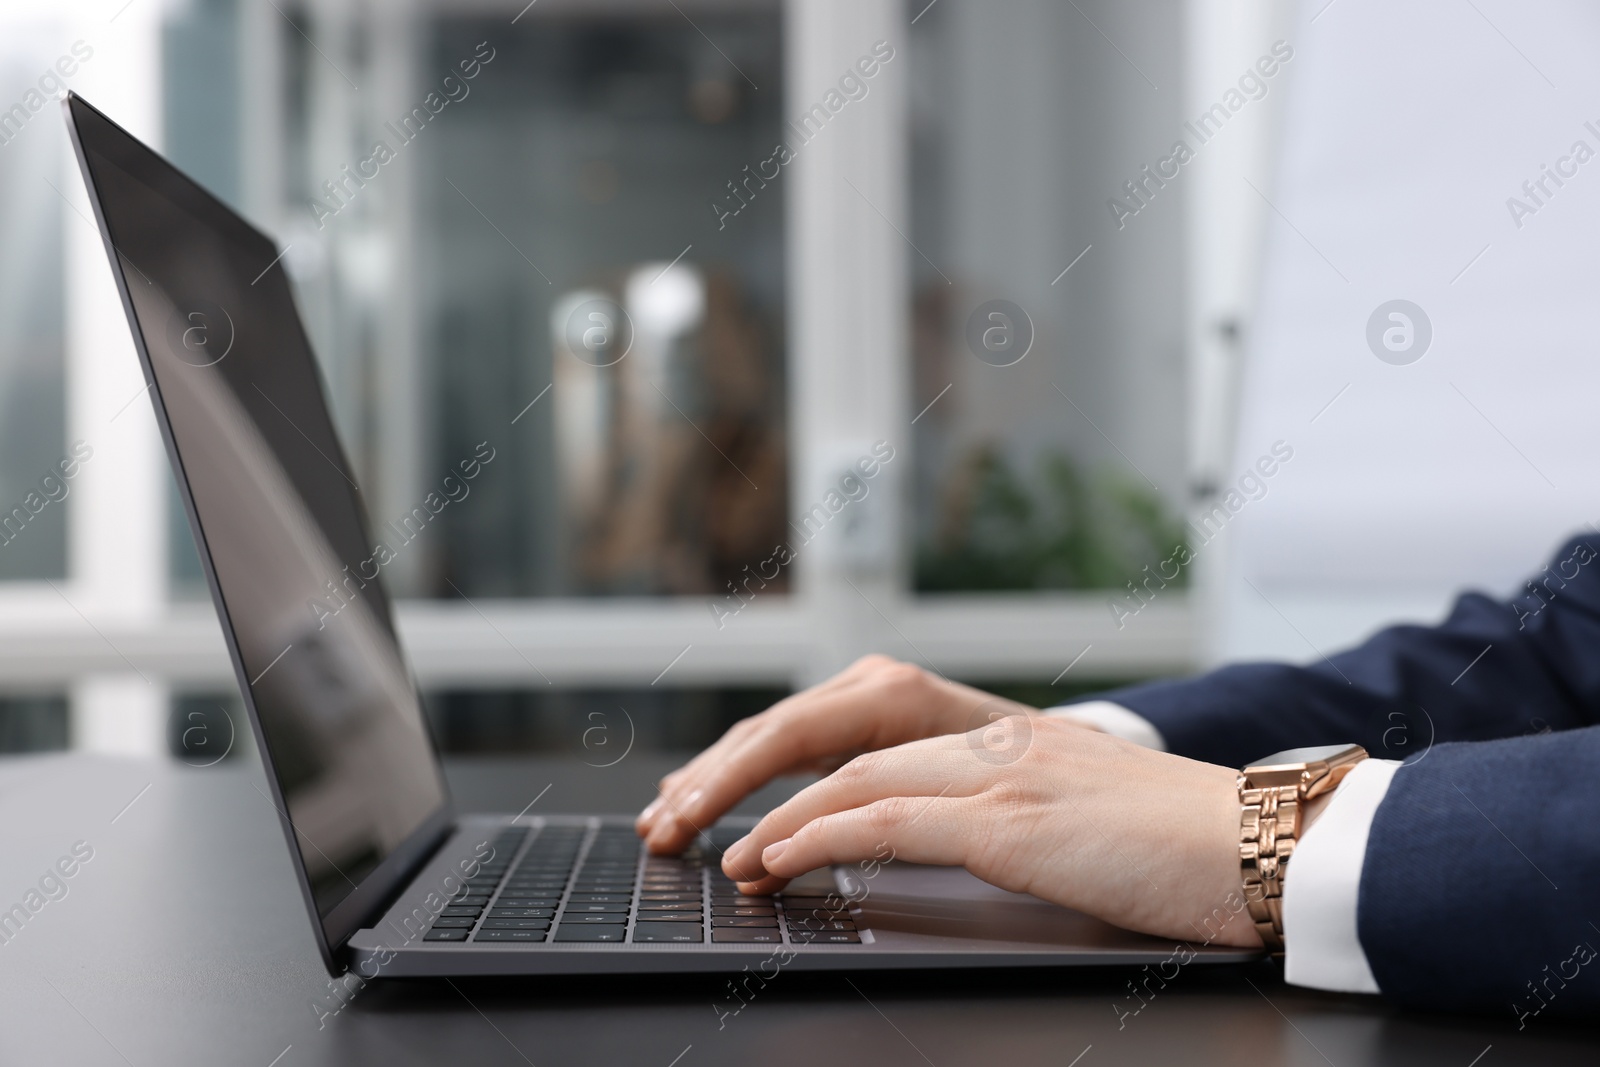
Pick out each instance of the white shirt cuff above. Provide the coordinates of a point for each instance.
(1322, 945)
(1115, 720)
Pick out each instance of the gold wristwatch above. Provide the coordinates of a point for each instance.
(1273, 793)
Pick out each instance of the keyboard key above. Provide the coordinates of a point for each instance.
(521, 913)
(595, 907)
(821, 914)
(509, 935)
(740, 920)
(682, 932)
(467, 912)
(667, 905)
(720, 910)
(493, 923)
(746, 935)
(646, 915)
(600, 898)
(453, 924)
(803, 938)
(670, 896)
(609, 917)
(512, 901)
(445, 934)
(590, 933)
(738, 900)
(820, 926)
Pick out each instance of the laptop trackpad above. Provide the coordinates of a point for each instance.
(947, 902)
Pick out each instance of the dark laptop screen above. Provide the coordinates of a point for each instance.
(278, 513)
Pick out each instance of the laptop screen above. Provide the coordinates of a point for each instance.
(276, 513)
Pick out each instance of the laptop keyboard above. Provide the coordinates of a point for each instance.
(587, 884)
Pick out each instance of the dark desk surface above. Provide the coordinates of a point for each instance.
(184, 941)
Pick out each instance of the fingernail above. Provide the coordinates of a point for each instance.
(734, 853)
(773, 851)
(651, 810)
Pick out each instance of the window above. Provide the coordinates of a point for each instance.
(703, 278)
(1048, 376)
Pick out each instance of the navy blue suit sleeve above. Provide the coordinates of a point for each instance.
(1478, 887)
(1493, 669)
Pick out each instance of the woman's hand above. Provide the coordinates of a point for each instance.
(876, 703)
(1142, 839)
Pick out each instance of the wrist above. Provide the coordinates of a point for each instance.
(1226, 918)
(1276, 797)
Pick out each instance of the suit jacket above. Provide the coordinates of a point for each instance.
(1481, 884)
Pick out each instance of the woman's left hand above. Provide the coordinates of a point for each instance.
(1142, 839)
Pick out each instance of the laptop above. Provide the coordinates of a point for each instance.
(396, 882)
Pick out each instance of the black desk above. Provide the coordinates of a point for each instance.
(184, 941)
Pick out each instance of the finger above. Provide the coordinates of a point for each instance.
(660, 805)
(934, 830)
(681, 783)
(824, 723)
(941, 766)
(717, 780)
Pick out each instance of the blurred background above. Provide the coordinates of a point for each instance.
(1073, 276)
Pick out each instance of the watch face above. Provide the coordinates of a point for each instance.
(1291, 756)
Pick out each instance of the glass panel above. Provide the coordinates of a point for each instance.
(33, 149)
(33, 723)
(1050, 440)
(554, 203)
(583, 310)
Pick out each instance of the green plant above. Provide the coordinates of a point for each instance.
(1002, 530)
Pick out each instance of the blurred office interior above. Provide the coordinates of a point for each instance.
(616, 566)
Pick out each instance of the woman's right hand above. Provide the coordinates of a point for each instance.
(875, 703)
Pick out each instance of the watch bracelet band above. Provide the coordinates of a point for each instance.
(1268, 827)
